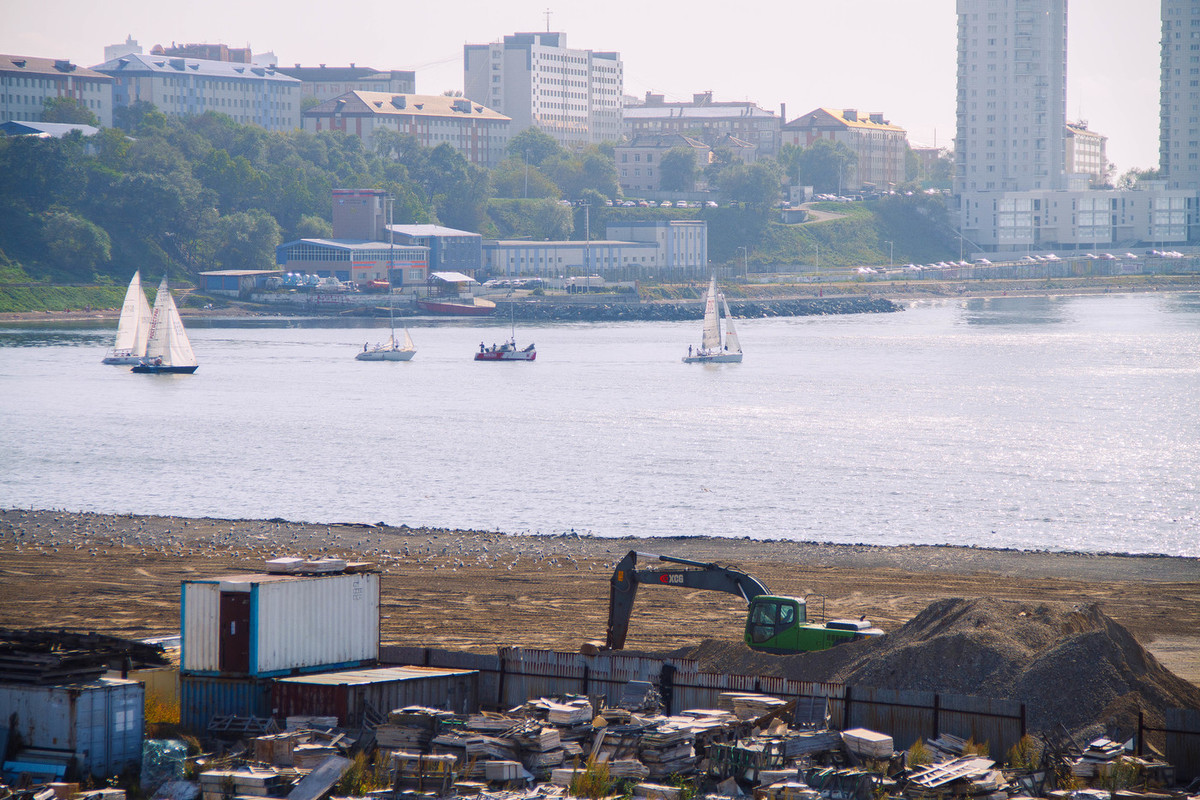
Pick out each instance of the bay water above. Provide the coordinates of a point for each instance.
(1061, 423)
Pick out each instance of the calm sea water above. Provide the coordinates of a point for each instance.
(1044, 423)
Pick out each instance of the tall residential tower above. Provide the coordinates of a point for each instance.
(1012, 95)
(536, 80)
(1179, 104)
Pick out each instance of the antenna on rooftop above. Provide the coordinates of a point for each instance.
(547, 13)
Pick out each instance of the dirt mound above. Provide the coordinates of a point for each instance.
(1069, 664)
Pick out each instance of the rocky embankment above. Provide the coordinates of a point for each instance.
(550, 311)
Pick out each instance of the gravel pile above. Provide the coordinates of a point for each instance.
(1069, 664)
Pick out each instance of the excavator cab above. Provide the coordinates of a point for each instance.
(778, 624)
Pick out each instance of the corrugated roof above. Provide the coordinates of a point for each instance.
(135, 63)
(429, 230)
(452, 277)
(349, 244)
(54, 129)
(389, 104)
(358, 677)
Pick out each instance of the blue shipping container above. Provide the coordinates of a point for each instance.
(202, 697)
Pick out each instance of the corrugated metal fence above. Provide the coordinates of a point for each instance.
(517, 674)
(1181, 727)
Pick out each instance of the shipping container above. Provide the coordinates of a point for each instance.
(202, 697)
(263, 625)
(100, 722)
(348, 695)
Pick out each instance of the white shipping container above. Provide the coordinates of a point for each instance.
(101, 722)
(265, 625)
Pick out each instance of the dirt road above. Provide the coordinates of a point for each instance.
(476, 591)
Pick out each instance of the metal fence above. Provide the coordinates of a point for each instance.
(516, 674)
(1181, 729)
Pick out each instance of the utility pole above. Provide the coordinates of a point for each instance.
(587, 245)
(892, 254)
(745, 262)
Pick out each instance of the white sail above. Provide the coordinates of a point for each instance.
(711, 339)
(133, 331)
(168, 339)
(731, 338)
(408, 342)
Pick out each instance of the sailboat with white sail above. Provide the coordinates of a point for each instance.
(168, 350)
(133, 331)
(716, 347)
(390, 351)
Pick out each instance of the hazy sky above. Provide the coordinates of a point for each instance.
(893, 56)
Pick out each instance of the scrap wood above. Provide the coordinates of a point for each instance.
(968, 768)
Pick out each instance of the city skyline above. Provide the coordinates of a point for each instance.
(873, 55)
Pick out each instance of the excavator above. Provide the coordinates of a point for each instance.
(774, 624)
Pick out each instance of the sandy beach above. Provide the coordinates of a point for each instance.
(473, 590)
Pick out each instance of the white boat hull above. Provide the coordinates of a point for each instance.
(714, 358)
(386, 355)
(121, 359)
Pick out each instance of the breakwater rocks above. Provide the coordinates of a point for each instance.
(614, 311)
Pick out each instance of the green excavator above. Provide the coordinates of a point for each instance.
(774, 624)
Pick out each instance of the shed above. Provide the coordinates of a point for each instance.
(350, 695)
(99, 725)
(263, 625)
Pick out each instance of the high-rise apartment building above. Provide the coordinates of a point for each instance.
(1012, 94)
(1179, 104)
(536, 80)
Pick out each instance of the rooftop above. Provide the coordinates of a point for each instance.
(28, 65)
(141, 63)
(386, 103)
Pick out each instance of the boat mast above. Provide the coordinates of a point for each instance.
(391, 266)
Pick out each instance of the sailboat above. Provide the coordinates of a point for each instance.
(390, 351)
(715, 349)
(168, 350)
(507, 351)
(133, 331)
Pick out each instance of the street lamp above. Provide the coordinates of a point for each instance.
(892, 253)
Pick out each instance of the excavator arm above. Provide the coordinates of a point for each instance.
(698, 575)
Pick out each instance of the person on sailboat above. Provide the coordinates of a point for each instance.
(689, 351)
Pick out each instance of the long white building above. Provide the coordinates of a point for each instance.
(180, 86)
(26, 83)
(1012, 93)
(537, 81)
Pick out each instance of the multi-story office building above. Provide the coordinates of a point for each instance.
(478, 132)
(205, 52)
(1012, 90)
(880, 146)
(180, 86)
(706, 120)
(26, 83)
(125, 48)
(1086, 153)
(324, 83)
(1179, 95)
(536, 80)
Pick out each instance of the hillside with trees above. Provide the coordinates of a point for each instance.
(199, 193)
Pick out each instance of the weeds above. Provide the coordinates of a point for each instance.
(919, 755)
(1024, 754)
(594, 782)
(362, 777)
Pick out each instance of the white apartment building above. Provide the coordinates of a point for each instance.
(477, 132)
(1012, 89)
(326, 83)
(1086, 153)
(1013, 222)
(537, 81)
(26, 83)
(177, 86)
(1179, 94)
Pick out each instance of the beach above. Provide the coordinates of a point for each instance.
(476, 591)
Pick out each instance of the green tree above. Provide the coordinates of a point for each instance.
(246, 240)
(677, 170)
(74, 246)
(513, 178)
(68, 109)
(314, 227)
(534, 146)
(825, 165)
(756, 185)
(1130, 177)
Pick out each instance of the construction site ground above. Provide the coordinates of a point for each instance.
(121, 574)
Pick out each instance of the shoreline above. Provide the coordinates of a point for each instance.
(900, 294)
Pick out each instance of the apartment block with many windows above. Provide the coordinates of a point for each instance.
(27, 82)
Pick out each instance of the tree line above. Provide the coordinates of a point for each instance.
(204, 192)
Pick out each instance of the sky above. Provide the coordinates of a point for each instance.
(892, 56)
